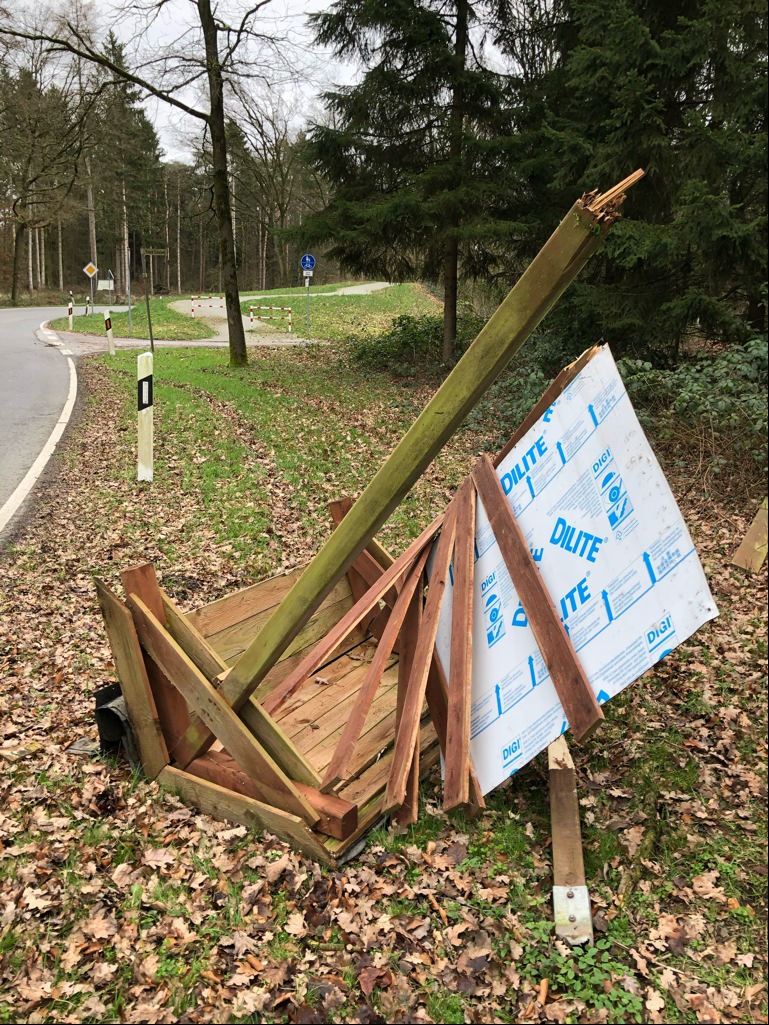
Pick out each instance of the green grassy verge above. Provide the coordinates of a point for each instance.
(338, 317)
(167, 324)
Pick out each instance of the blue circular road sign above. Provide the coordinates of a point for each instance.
(308, 262)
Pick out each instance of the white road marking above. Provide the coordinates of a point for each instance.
(8, 511)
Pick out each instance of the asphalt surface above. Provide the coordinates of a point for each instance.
(35, 382)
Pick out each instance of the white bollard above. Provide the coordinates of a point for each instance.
(145, 424)
(70, 312)
(108, 329)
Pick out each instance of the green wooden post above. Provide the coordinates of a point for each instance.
(577, 237)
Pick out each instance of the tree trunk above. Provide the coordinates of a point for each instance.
(450, 262)
(216, 124)
(18, 256)
(91, 214)
(30, 276)
(451, 243)
(178, 238)
(60, 253)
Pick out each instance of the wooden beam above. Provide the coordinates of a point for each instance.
(456, 785)
(551, 272)
(408, 812)
(217, 715)
(129, 664)
(438, 704)
(573, 921)
(572, 685)
(752, 552)
(341, 757)
(337, 818)
(221, 803)
(408, 733)
(172, 709)
(263, 727)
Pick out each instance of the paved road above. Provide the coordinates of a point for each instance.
(37, 384)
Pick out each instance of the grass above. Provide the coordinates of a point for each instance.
(167, 324)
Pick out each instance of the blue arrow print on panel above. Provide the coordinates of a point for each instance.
(498, 692)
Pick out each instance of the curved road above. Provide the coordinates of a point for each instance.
(38, 385)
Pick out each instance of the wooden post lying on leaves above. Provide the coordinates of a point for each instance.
(575, 240)
(571, 901)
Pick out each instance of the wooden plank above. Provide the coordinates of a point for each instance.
(263, 727)
(571, 900)
(406, 738)
(172, 709)
(327, 728)
(376, 775)
(282, 669)
(337, 818)
(221, 803)
(555, 390)
(408, 812)
(349, 621)
(568, 862)
(548, 276)
(309, 705)
(456, 787)
(142, 581)
(438, 703)
(217, 715)
(129, 665)
(339, 507)
(752, 552)
(351, 733)
(572, 685)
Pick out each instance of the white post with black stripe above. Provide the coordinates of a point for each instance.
(146, 428)
(108, 329)
(70, 311)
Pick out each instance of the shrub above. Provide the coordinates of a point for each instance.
(723, 395)
(413, 342)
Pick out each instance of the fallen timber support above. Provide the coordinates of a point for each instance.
(571, 245)
(310, 704)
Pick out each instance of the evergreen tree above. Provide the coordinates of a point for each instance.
(417, 152)
(678, 88)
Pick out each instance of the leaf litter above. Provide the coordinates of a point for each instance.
(120, 904)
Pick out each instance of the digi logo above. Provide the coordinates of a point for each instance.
(493, 619)
(511, 753)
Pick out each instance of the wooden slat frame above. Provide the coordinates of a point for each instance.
(572, 685)
(407, 814)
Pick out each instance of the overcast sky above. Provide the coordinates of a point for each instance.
(283, 19)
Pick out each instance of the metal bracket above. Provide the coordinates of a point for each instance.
(571, 909)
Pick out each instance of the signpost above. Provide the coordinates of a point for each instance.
(91, 270)
(308, 267)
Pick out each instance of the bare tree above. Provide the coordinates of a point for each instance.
(218, 47)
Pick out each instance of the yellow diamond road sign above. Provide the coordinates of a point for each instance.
(90, 270)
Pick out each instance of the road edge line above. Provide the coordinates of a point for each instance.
(12, 505)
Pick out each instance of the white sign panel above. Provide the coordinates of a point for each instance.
(611, 545)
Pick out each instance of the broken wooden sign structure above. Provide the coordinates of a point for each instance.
(311, 704)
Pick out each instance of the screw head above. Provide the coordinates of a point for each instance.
(570, 893)
(572, 918)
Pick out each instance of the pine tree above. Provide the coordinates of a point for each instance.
(416, 153)
(678, 88)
